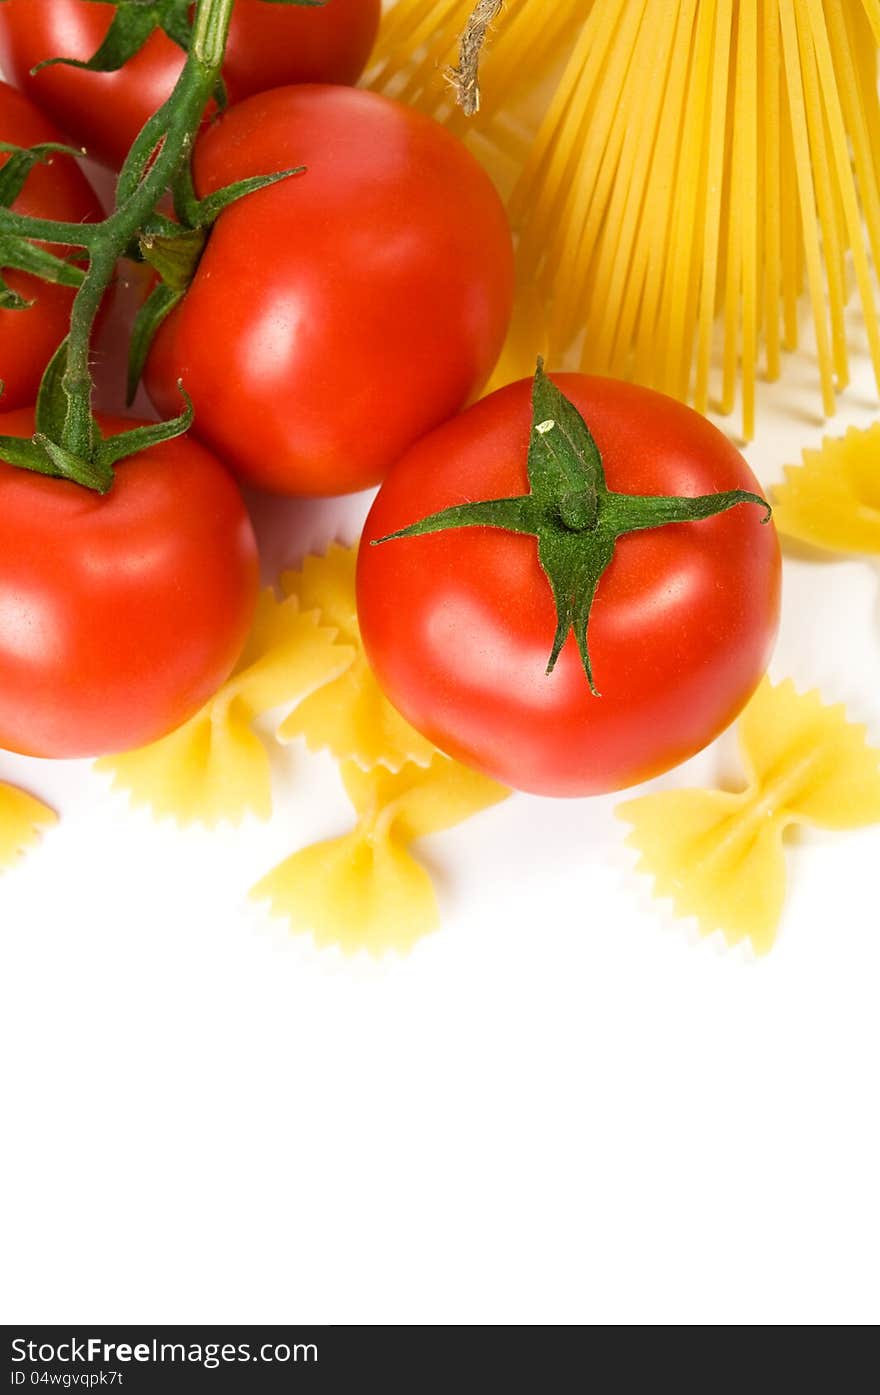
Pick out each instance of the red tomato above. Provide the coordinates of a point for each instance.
(458, 625)
(119, 615)
(28, 338)
(269, 45)
(336, 316)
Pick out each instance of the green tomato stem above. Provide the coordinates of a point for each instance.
(209, 34)
(47, 230)
(140, 189)
(573, 515)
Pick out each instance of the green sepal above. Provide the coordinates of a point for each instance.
(564, 460)
(574, 573)
(26, 454)
(18, 254)
(44, 457)
(91, 473)
(51, 418)
(174, 254)
(13, 175)
(522, 514)
(125, 443)
(195, 213)
(629, 513)
(208, 209)
(154, 310)
(51, 410)
(131, 26)
(572, 513)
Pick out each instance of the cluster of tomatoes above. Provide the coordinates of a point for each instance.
(336, 325)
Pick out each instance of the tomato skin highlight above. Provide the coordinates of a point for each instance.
(269, 45)
(458, 625)
(28, 338)
(120, 615)
(338, 315)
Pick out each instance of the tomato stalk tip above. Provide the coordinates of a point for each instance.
(67, 442)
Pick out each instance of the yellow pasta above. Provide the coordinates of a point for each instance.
(769, 163)
(366, 890)
(832, 499)
(350, 717)
(216, 766)
(719, 856)
(687, 169)
(22, 820)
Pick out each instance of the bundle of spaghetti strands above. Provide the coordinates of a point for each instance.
(685, 171)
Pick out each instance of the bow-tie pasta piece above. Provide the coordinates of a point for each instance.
(22, 820)
(832, 500)
(366, 890)
(216, 766)
(349, 717)
(718, 856)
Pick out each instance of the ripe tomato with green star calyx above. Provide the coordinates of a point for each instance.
(121, 614)
(339, 314)
(269, 45)
(56, 188)
(572, 586)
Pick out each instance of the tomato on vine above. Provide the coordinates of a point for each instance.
(571, 593)
(336, 316)
(121, 614)
(134, 55)
(128, 566)
(34, 312)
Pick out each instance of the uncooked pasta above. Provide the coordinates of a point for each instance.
(680, 172)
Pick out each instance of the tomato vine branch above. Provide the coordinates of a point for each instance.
(67, 441)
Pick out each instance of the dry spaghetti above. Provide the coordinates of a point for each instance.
(697, 165)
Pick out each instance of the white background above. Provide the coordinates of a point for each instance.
(563, 1107)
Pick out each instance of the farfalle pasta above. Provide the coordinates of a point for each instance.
(350, 717)
(216, 766)
(832, 499)
(366, 890)
(719, 856)
(22, 821)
